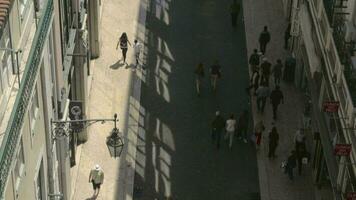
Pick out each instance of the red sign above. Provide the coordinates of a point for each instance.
(351, 196)
(342, 149)
(331, 106)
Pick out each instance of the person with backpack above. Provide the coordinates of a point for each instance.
(123, 43)
(254, 60)
(264, 38)
(234, 11)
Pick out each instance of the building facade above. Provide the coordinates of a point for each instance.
(322, 42)
(45, 66)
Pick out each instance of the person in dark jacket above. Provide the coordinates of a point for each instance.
(273, 142)
(217, 126)
(254, 60)
(291, 164)
(234, 11)
(301, 153)
(242, 126)
(277, 72)
(266, 69)
(264, 38)
(276, 98)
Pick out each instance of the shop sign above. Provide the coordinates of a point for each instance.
(342, 149)
(351, 196)
(331, 106)
(76, 113)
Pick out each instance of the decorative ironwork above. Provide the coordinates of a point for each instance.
(12, 133)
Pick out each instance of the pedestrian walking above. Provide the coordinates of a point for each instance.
(262, 93)
(291, 164)
(276, 98)
(266, 69)
(254, 81)
(199, 75)
(254, 60)
(264, 38)
(277, 72)
(242, 126)
(273, 142)
(303, 157)
(137, 46)
(217, 125)
(215, 73)
(230, 129)
(123, 43)
(96, 177)
(259, 128)
(299, 139)
(287, 36)
(234, 11)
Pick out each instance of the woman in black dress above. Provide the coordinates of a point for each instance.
(123, 41)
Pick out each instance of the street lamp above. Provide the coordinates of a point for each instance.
(114, 141)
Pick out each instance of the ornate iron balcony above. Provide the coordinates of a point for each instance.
(12, 133)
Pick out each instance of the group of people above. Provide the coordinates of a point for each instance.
(124, 44)
(260, 82)
(260, 77)
(228, 127)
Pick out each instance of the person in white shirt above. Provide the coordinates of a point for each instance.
(137, 50)
(230, 129)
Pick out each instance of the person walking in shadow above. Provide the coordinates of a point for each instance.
(230, 129)
(291, 164)
(273, 142)
(217, 126)
(264, 38)
(277, 72)
(234, 12)
(262, 93)
(276, 99)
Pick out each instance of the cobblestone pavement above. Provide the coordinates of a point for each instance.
(274, 184)
(175, 156)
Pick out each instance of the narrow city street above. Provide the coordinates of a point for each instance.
(175, 156)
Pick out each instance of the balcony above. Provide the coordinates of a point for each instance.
(12, 133)
(346, 54)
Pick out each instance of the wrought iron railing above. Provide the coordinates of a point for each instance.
(12, 133)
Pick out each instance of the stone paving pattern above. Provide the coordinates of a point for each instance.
(175, 152)
(274, 184)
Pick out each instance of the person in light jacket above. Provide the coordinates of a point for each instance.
(96, 177)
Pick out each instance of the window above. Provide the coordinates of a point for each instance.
(22, 7)
(33, 112)
(19, 166)
(39, 183)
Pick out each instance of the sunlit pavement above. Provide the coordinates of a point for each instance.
(175, 157)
